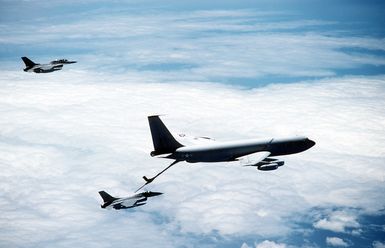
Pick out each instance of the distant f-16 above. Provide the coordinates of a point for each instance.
(55, 65)
(127, 202)
(252, 152)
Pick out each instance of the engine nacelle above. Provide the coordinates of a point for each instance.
(280, 163)
(265, 165)
(268, 167)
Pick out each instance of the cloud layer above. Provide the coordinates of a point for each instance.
(334, 241)
(224, 73)
(231, 46)
(63, 140)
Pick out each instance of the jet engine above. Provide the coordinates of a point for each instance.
(269, 164)
(268, 167)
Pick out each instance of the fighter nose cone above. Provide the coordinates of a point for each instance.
(151, 194)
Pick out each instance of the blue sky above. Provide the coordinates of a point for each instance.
(226, 69)
(338, 38)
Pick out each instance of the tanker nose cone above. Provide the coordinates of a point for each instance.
(310, 143)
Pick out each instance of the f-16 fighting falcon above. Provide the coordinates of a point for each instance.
(252, 152)
(127, 202)
(55, 65)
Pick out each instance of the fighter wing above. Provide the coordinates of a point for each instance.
(128, 203)
(253, 159)
(49, 67)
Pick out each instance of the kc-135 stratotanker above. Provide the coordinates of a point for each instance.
(250, 152)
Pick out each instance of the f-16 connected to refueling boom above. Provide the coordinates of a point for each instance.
(126, 202)
(250, 152)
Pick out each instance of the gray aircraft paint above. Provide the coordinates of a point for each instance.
(126, 202)
(229, 151)
(165, 144)
(55, 65)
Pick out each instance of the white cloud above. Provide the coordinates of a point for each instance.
(338, 221)
(67, 135)
(244, 245)
(334, 241)
(378, 244)
(206, 45)
(269, 244)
